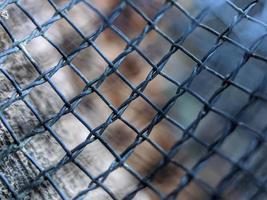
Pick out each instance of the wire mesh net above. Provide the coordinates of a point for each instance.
(133, 99)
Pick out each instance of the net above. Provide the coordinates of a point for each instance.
(133, 99)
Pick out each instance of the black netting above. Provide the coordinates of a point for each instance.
(133, 99)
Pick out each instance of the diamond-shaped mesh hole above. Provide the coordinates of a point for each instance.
(93, 164)
(154, 46)
(45, 154)
(96, 106)
(128, 15)
(18, 23)
(20, 69)
(179, 67)
(185, 109)
(171, 173)
(174, 28)
(119, 136)
(57, 34)
(235, 152)
(201, 37)
(84, 18)
(213, 170)
(115, 44)
(38, 98)
(139, 113)
(74, 184)
(44, 54)
(70, 139)
(21, 119)
(89, 63)
(109, 90)
(33, 8)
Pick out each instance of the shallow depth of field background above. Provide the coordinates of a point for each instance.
(203, 151)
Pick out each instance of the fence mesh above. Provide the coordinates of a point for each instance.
(133, 99)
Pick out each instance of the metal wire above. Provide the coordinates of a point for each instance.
(214, 173)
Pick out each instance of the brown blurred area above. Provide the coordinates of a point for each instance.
(139, 113)
(114, 90)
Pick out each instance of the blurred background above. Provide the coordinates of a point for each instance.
(153, 99)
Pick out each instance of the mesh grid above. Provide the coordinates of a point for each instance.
(133, 99)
